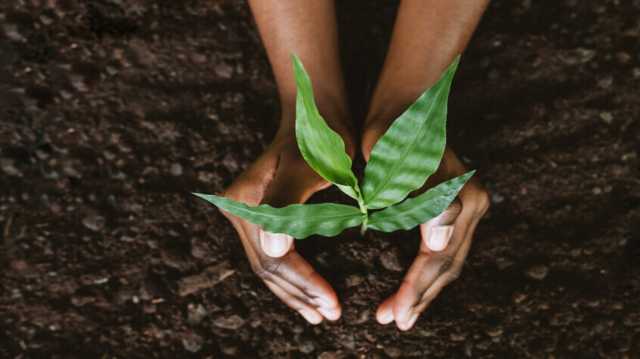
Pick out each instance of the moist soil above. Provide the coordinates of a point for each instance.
(114, 111)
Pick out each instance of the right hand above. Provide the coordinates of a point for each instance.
(281, 177)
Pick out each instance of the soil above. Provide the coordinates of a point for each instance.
(113, 111)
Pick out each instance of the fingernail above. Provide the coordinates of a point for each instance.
(275, 244)
(311, 316)
(439, 237)
(386, 317)
(331, 314)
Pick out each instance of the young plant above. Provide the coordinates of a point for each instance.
(401, 162)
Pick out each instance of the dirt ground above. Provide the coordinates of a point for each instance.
(112, 111)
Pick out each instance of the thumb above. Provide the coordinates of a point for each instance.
(437, 231)
(275, 244)
(293, 182)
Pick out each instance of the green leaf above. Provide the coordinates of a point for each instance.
(417, 210)
(321, 147)
(297, 220)
(411, 149)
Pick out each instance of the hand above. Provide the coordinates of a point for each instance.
(445, 244)
(281, 177)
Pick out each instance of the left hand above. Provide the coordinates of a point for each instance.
(445, 244)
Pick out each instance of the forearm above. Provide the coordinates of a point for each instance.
(427, 36)
(308, 29)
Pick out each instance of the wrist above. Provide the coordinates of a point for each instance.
(332, 109)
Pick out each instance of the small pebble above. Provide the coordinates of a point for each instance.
(94, 222)
(176, 169)
(455, 337)
(606, 82)
(12, 33)
(623, 57)
(497, 198)
(519, 298)
(78, 83)
(538, 272)
(233, 322)
(328, 355)
(19, 265)
(8, 167)
(606, 117)
(192, 343)
(393, 352)
(223, 70)
(100, 281)
(196, 313)
(354, 280)
(363, 317)
(230, 350)
(494, 332)
(307, 347)
(199, 58)
(390, 261)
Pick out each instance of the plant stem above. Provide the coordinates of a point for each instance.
(363, 209)
(363, 228)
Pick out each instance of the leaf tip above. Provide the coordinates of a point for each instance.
(455, 62)
(207, 197)
(470, 173)
(297, 63)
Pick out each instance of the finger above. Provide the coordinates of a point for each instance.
(430, 294)
(275, 244)
(299, 278)
(451, 274)
(291, 273)
(308, 312)
(384, 315)
(437, 238)
(437, 232)
(331, 311)
(293, 182)
(295, 275)
(429, 265)
(423, 271)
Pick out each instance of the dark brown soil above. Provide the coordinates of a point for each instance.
(113, 111)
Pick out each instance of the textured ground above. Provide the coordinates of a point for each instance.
(113, 111)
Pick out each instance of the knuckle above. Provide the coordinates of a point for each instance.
(259, 270)
(454, 274)
(484, 201)
(266, 268)
(427, 298)
(455, 207)
(455, 271)
(481, 203)
(447, 263)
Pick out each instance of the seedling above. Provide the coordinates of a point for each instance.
(401, 162)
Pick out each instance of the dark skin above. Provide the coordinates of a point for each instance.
(427, 36)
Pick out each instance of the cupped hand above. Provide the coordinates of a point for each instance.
(281, 177)
(445, 244)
